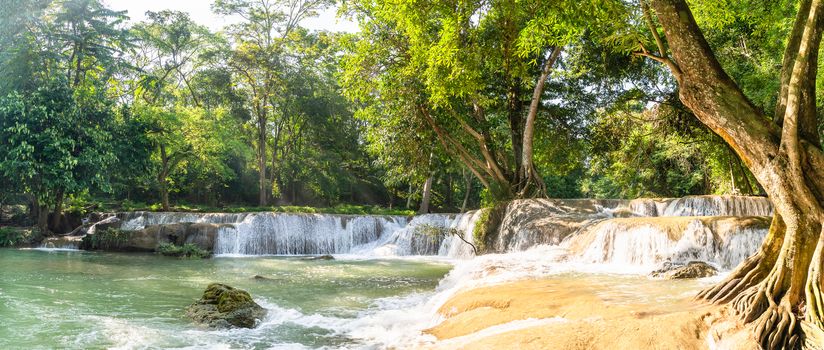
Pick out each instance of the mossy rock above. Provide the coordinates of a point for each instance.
(320, 257)
(693, 269)
(223, 306)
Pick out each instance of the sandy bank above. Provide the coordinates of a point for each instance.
(579, 311)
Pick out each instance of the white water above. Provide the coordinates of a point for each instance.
(314, 234)
(647, 245)
(597, 240)
(584, 226)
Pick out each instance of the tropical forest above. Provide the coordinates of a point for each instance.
(411, 174)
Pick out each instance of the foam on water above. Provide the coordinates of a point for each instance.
(598, 240)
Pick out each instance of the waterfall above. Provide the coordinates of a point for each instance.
(140, 219)
(60, 243)
(648, 242)
(296, 234)
(643, 232)
(718, 206)
(313, 234)
(430, 234)
(456, 247)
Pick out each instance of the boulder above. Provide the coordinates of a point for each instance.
(203, 235)
(693, 269)
(223, 306)
(320, 257)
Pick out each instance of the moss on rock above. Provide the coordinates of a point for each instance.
(187, 250)
(223, 306)
(486, 228)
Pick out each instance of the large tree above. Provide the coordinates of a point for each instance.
(472, 74)
(52, 146)
(780, 287)
(76, 43)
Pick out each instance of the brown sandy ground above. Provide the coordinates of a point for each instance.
(599, 312)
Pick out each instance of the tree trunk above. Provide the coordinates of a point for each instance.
(733, 185)
(746, 176)
(449, 194)
(409, 197)
(57, 213)
(164, 195)
(468, 188)
(426, 196)
(531, 183)
(783, 279)
(262, 188)
(40, 212)
(516, 123)
(163, 178)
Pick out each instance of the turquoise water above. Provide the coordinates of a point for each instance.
(83, 300)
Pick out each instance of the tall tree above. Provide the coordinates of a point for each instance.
(79, 42)
(256, 60)
(53, 146)
(467, 71)
(171, 51)
(783, 151)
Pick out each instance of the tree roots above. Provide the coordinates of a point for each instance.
(778, 328)
(747, 275)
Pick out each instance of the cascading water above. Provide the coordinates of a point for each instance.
(717, 206)
(313, 234)
(431, 234)
(641, 232)
(648, 242)
(296, 234)
(140, 219)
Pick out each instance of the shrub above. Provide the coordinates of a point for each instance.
(437, 233)
(110, 238)
(187, 250)
(16, 236)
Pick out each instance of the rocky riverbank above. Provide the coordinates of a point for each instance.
(584, 312)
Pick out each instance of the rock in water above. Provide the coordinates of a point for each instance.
(320, 257)
(694, 269)
(223, 306)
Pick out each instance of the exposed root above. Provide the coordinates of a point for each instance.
(813, 336)
(813, 290)
(747, 275)
(751, 304)
(752, 271)
(778, 328)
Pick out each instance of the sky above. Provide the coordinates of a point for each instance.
(200, 12)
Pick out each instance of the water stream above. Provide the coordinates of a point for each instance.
(390, 274)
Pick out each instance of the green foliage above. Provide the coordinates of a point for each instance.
(98, 113)
(53, 144)
(108, 239)
(660, 153)
(16, 236)
(187, 250)
(487, 225)
(437, 233)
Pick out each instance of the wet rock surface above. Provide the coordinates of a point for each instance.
(223, 306)
(320, 257)
(693, 269)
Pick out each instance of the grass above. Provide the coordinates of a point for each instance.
(197, 208)
(187, 250)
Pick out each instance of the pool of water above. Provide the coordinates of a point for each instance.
(82, 300)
